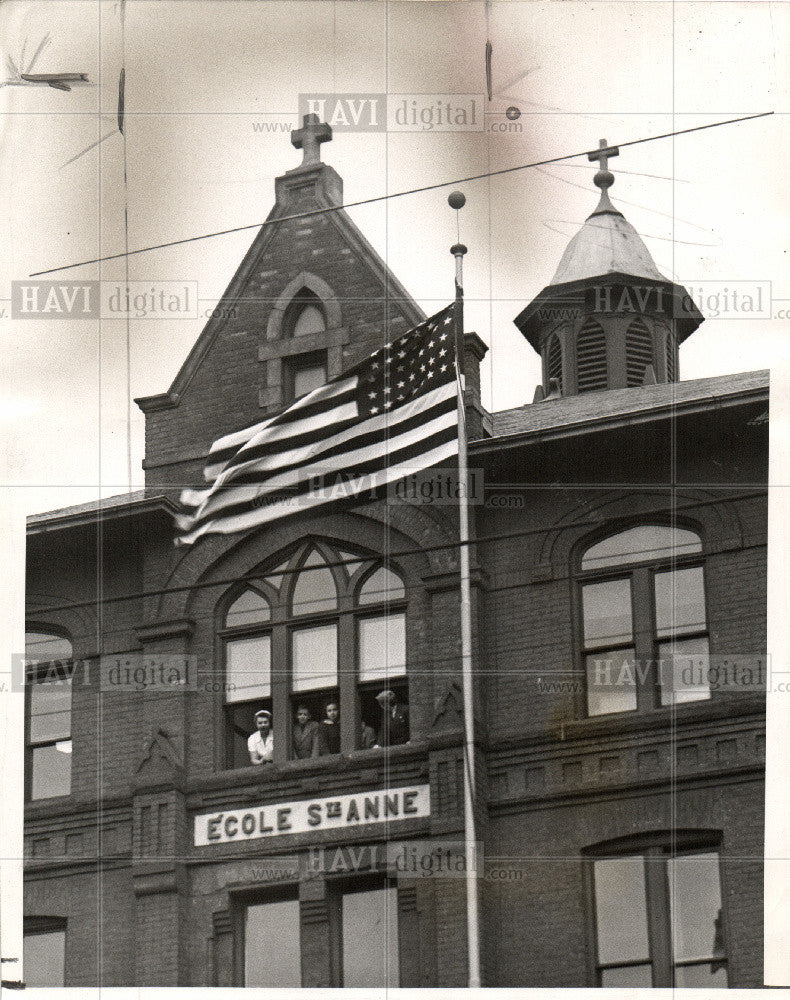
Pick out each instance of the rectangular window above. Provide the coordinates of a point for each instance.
(609, 650)
(659, 920)
(371, 954)
(44, 955)
(696, 920)
(49, 729)
(248, 688)
(303, 373)
(248, 668)
(621, 904)
(313, 658)
(382, 647)
(272, 951)
(644, 635)
(682, 650)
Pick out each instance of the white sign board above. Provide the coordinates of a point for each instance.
(308, 815)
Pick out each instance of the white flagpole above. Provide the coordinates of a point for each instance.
(457, 201)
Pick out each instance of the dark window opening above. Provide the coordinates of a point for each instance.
(591, 369)
(554, 362)
(638, 352)
(670, 356)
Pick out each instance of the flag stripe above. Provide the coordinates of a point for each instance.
(379, 429)
(332, 402)
(298, 477)
(290, 505)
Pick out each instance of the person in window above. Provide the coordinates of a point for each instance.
(394, 727)
(367, 736)
(305, 734)
(330, 729)
(261, 744)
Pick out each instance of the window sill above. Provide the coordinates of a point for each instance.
(690, 713)
(265, 774)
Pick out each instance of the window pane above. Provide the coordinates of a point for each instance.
(684, 671)
(607, 613)
(621, 910)
(248, 668)
(43, 646)
(272, 953)
(370, 938)
(611, 681)
(315, 588)
(314, 657)
(44, 957)
(652, 541)
(382, 647)
(695, 906)
(50, 710)
(631, 975)
(310, 320)
(712, 974)
(51, 770)
(383, 585)
(680, 601)
(308, 378)
(248, 609)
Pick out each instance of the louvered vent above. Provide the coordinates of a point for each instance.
(554, 361)
(671, 376)
(591, 358)
(638, 352)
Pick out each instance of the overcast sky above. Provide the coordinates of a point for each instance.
(202, 76)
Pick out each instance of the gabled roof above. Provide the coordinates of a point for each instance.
(328, 186)
(592, 410)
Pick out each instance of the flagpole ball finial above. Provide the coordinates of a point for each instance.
(458, 249)
(456, 200)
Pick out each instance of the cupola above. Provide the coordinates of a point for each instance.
(609, 319)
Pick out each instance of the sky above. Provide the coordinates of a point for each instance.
(205, 79)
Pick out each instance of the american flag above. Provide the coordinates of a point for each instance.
(393, 415)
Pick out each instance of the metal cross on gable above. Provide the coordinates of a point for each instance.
(309, 138)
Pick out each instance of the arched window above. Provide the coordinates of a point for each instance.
(305, 315)
(591, 371)
(48, 679)
(638, 352)
(644, 625)
(325, 627)
(554, 361)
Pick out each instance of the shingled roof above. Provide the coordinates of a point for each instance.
(573, 414)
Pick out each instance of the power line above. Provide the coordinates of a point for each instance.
(396, 194)
(36, 613)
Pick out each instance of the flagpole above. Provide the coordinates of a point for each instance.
(457, 201)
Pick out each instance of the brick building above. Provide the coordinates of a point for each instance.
(617, 797)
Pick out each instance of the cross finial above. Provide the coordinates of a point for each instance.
(603, 178)
(309, 138)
